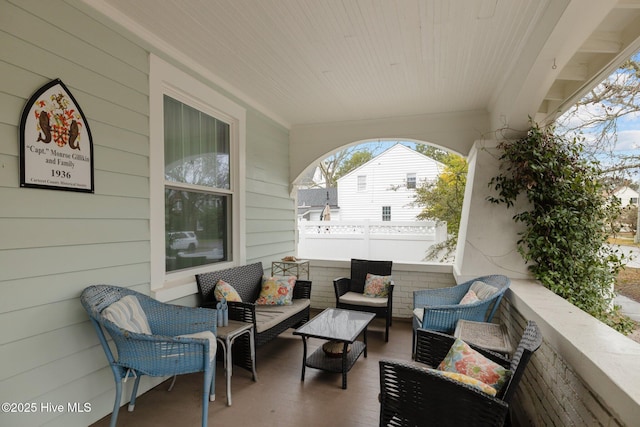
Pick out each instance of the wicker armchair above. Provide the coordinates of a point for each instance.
(161, 354)
(439, 309)
(349, 291)
(413, 396)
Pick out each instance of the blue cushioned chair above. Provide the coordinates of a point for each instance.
(442, 309)
(162, 353)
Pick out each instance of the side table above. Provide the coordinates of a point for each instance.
(292, 268)
(226, 335)
(486, 335)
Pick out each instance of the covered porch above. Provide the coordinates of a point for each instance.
(584, 373)
(298, 80)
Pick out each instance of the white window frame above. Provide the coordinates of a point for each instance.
(414, 180)
(385, 215)
(165, 79)
(361, 183)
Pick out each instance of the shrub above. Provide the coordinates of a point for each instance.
(567, 220)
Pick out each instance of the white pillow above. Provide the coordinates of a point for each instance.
(127, 314)
(482, 290)
(469, 298)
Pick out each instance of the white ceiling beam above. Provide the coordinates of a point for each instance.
(628, 4)
(602, 42)
(574, 71)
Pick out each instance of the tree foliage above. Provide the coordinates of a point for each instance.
(566, 221)
(442, 202)
(342, 162)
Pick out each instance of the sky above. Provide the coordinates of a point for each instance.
(628, 135)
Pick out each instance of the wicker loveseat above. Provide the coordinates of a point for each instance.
(268, 321)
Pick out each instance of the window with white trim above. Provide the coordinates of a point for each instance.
(411, 180)
(196, 156)
(197, 192)
(386, 213)
(362, 183)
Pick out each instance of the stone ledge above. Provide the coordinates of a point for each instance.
(607, 361)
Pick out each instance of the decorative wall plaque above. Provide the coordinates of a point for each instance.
(56, 149)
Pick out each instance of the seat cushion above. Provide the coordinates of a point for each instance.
(127, 314)
(355, 298)
(268, 316)
(208, 335)
(418, 313)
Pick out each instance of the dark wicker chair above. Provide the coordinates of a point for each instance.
(162, 354)
(349, 290)
(413, 396)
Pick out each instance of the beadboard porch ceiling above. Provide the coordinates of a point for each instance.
(318, 61)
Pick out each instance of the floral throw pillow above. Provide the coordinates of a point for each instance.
(276, 290)
(465, 379)
(377, 286)
(465, 360)
(469, 298)
(226, 291)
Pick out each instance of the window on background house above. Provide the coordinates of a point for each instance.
(411, 180)
(633, 200)
(197, 186)
(362, 183)
(386, 213)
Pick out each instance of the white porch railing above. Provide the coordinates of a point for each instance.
(368, 239)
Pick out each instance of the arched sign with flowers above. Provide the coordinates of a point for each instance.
(56, 149)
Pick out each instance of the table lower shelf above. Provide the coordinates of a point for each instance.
(319, 360)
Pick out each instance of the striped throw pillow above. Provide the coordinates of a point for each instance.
(127, 314)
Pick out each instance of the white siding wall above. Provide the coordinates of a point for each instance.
(626, 194)
(386, 186)
(55, 243)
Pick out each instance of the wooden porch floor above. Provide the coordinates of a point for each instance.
(278, 398)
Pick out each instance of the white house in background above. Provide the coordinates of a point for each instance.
(383, 189)
(627, 196)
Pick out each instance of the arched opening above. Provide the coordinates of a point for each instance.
(395, 199)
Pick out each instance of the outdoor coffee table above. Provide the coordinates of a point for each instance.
(343, 326)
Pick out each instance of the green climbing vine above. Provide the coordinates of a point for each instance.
(567, 220)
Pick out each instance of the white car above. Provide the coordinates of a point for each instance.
(182, 240)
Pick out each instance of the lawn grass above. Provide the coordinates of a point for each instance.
(628, 283)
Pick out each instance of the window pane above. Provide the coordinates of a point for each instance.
(362, 182)
(196, 146)
(197, 228)
(386, 213)
(411, 180)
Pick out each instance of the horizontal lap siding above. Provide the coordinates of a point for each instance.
(55, 243)
(269, 207)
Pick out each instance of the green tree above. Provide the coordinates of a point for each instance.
(358, 158)
(442, 202)
(344, 161)
(566, 219)
(435, 153)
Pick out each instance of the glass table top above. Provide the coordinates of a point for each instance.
(336, 324)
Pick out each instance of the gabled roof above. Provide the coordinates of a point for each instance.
(394, 148)
(317, 197)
